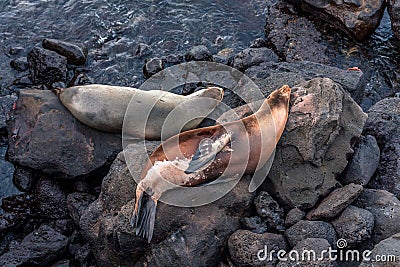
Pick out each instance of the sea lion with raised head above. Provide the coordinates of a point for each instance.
(202, 155)
(103, 107)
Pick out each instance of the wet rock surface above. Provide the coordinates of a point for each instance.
(39, 120)
(335, 202)
(75, 54)
(355, 225)
(364, 163)
(310, 229)
(386, 210)
(244, 247)
(359, 19)
(305, 169)
(46, 66)
(198, 53)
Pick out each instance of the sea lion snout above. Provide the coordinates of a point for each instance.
(285, 90)
(213, 92)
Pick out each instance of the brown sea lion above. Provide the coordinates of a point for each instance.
(202, 155)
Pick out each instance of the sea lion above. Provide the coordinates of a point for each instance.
(103, 107)
(202, 155)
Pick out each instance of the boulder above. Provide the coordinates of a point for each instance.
(384, 120)
(358, 19)
(386, 210)
(292, 37)
(355, 225)
(385, 254)
(394, 13)
(75, 53)
(198, 53)
(76, 149)
(310, 229)
(253, 56)
(364, 163)
(335, 202)
(181, 235)
(294, 216)
(152, 66)
(39, 248)
(249, 249)
(269, 76)
(311, 153)
(46, 67)
(388, 175)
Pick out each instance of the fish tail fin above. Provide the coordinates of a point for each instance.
(144, 215)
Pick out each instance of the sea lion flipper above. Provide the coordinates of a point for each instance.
(145, 218)
(207, 150)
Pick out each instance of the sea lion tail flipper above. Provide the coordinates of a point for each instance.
(146, 218)
(207, 150)
(138, 204)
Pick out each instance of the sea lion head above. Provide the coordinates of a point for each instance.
(213, 92)
(280, 97)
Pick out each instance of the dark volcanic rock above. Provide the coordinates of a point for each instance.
(6, 103)
(244, 247)
(355, 225)
(317, 245)
(18, 204)
(384, 120)
(77, 203)
(46, 66)
(198, 53)
(50, 200)
(335, 202)
(389, 246)
(253, 56)
(19, 64)
(152, 66)
(310, 229)
(9, 220)
(394, 12)
(23, 178)
(270, 76)
(143, 50)
(257, 43)
(294, 38)
(294, 216)
(386, 210)
(181, 235)
(6, 173)
(268, 209)
(41, 247)
(388, 174)
(305, 168)
(359, 19)
(364, 162)
(75, 54)
(254, 224)
(39, 120)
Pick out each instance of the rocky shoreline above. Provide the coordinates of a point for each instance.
(335, 175)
